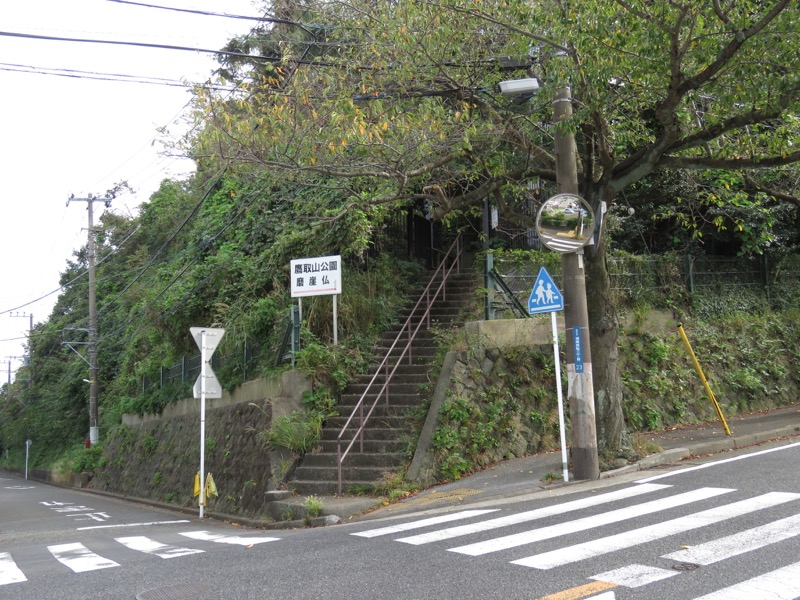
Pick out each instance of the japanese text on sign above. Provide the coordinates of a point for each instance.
(316, 276)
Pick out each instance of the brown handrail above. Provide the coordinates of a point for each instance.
(426, 316)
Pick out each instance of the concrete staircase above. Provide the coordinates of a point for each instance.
(390, 433)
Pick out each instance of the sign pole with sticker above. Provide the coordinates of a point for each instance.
(546, 297)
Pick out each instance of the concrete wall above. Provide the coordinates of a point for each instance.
(156, 456)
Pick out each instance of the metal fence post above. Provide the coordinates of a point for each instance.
(489, 281)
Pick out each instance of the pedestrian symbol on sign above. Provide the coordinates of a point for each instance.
(545, 295)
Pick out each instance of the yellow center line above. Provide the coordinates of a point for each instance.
(582, 591)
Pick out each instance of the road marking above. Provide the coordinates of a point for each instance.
(781, 584)
(207, 536)
(9, 571)
(79, 558)
(148, 546)
(716, 463)
(634, 576)
(466, 514)
(132, 525)
(600, 546)
(581, 591)
(739, 543)
(614, 516)
(532, 515)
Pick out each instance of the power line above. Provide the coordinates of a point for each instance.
(51, 38)
(263, 19)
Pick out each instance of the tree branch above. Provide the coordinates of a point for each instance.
(735, 164)
(775, 193)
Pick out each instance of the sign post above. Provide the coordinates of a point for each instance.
(27, 451)
(320, 276)
(206, 386)
(546, 297)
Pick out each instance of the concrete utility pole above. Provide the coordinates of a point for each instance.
(30, 344)
(93, 429)
(580, 389)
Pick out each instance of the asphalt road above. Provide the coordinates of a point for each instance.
(728, 527)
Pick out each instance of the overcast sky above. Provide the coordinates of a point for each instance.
(78, 135)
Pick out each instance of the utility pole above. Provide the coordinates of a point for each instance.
(580, 389)
(30, 344)
(93, 429)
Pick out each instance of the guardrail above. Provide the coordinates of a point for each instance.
(426, 300)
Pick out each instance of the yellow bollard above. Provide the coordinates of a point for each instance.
(702, 376)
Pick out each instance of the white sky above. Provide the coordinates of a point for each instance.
(65, 135)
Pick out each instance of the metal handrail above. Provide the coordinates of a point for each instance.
(426, 316)
(509, 293)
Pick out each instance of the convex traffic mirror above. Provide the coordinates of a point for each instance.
(565, 223)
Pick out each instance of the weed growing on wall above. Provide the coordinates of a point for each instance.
(499, 406)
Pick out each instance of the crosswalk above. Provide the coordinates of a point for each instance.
(79, 558)
(645, 521)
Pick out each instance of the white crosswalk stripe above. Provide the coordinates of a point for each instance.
(615, 516)
(148, 546)
(634, 576)
(464, 514)
(9, 571)
(598, 547)
(241, 540)
(530, 515)
(79, 558)
(780, 584)
(739, 543)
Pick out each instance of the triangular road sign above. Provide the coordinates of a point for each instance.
(213, 338)
(545, 295)
(213, 388)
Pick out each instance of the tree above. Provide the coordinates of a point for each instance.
(397, 103)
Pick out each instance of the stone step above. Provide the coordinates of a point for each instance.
(354, 459)
(371, 446)
(326, 488)
(394, 387)
(349, 473)
(371, 433)
(347, 402)
(399, 377)
(402, 369)
(388, 421)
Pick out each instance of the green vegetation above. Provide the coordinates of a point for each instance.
(313, 506)
(391, 115)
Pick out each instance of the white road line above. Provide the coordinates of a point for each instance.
(781, 584)
(79, 558)
(207, 536)
(598, 547)
(717, 463)
(9, 571)
(634, 576)
(118, 525)
(739, 543)
(465, 514)
(614, 516)
(144, 544)
(532, 515)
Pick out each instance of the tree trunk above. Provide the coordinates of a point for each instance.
(613, 439)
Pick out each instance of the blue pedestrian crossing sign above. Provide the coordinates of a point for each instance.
(545, 295)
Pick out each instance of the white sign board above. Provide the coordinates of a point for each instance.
(211, 337)
(321, 276)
